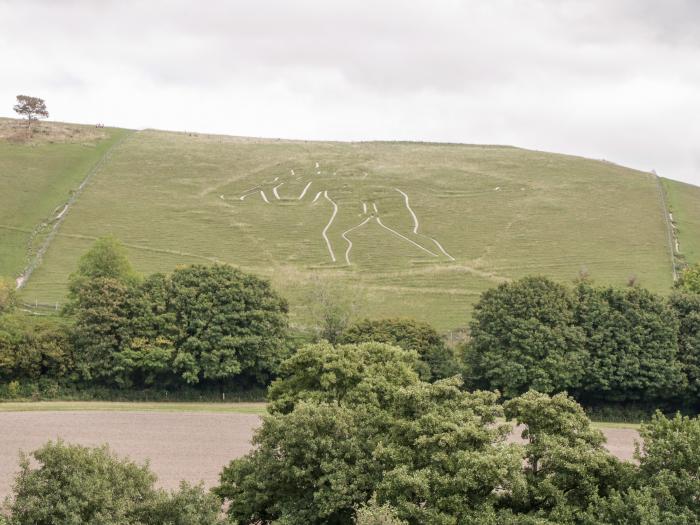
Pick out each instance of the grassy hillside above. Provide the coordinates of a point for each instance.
(450, 220)
(36, 178)
(684, 204)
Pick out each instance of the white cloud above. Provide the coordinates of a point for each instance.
(615, 79)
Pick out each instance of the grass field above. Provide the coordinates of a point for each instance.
(684, 204)
(450, 220)
(36, 180)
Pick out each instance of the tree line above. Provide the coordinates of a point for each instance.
(199, 327)
(601, 344)
(355, 436)
(220, 329)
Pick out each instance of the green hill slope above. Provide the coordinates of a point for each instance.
(407, 229)
(684, 204)
(37, 179)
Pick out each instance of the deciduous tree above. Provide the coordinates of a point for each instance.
(437, 360)
(524, 336)
(631, 341)
(31, 108)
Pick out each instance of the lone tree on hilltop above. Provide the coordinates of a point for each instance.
(32, 108)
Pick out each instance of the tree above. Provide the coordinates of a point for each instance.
(667, 482)
(226, 324)
(348, 432)
(106, 259)
(437, 360)
(8, 298)
(199, 324)
(523, 335)
(686, 307)
(103, 309)
(331, 307)
(435, 454)
(566, 466)
(631, 340)
(367, 373)
(32, 108)
(72, 484)
(35, 350)
(75, 484)
(689, 279)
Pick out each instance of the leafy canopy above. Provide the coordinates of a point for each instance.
(524, 336)
(437, 361)
(75, 485)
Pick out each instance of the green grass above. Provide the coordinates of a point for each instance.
(160, 193)
(62, 406)
(36, 180)
(684, 204)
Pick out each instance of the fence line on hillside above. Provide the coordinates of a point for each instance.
(669, 226)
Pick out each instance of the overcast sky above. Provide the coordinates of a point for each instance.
(613, 79)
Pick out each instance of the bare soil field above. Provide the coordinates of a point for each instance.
(185, 445)
(180, 445)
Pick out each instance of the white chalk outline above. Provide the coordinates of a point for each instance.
(379, 221)
(441, 248)
(416, 224)
(364, 207)
(335, 211)
(347, 252)
(304, 192)
(408, 207)
(374, 205)
(316, 197)
(274, 190)
(262, 193)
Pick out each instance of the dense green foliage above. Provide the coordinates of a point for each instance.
(34, 350)
(437, 360)
(411, 452)
(631, 345)
(75, 485)
(106, 259)
(335, 444)
(367, 373)
(210, 327)
(8, 298)
(601, 344)
(686, 307)
(524, 336)
(689, 279)
(198, 325)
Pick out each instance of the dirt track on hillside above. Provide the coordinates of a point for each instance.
(190, 446)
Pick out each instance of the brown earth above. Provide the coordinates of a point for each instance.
(189, 446)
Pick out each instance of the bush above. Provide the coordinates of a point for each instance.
(72, 484)
(75, 484)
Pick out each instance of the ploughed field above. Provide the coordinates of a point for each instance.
(405, 229)
(191, 445)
